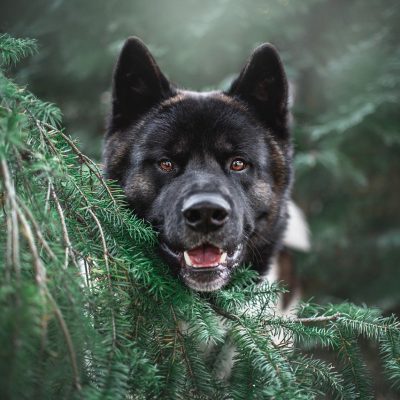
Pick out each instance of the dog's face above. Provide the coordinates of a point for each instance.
(210, 171)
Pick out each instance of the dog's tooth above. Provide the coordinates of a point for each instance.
(187, 259)
(223, 257)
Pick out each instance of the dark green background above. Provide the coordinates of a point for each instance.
(343, 58)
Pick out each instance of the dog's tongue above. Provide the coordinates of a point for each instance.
(204, 256)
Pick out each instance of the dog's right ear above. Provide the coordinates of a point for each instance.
(262, 84)
(138, 84)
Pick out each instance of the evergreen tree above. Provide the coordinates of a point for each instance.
(89, 311)
(343, 58)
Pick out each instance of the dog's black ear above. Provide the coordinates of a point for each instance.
(138, 84)
(262, 84)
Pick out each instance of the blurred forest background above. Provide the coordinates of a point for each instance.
(343, 59)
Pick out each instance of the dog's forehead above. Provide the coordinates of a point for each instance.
(213, 119)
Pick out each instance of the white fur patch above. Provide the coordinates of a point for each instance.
(297, 234)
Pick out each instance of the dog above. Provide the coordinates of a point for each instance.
(211, 171)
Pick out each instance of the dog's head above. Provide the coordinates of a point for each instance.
(210, 171)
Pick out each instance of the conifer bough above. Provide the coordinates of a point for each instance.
(115, 331)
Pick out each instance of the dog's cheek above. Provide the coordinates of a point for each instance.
(116, 156)
(261, 193)
(140, 191)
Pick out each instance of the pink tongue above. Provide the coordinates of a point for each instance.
(204, 256)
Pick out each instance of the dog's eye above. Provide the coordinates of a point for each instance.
(166, 165)
(238, 164)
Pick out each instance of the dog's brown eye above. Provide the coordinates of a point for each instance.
(166, 165)
(238, 164)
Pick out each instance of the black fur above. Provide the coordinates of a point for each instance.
(201, 133)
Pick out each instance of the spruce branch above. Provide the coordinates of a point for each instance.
(40, 271)
(354, 369)
(37, 229)
(12, 50)
(69, 250)
(181, 339)
(68, 339)
(310, 320)
(82, 157)
(40, 274)
(122, 334)
(106, 261)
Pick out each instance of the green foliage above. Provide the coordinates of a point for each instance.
(343, 60)
(12, 50)
(125, 328)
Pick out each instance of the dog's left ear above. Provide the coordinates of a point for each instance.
(262, 84)
(138, 84)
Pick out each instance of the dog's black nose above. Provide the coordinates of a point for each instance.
(205, 212)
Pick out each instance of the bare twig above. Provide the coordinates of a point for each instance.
(313, 320)
(224, 313)
(47, 202)
(40, 271)
(106, 261)
(38, 232)
(12, 221)
(67, 240)
(9, 244)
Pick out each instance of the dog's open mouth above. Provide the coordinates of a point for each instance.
(206, 267)
(204, 256)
